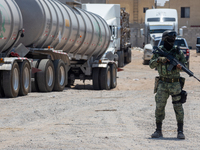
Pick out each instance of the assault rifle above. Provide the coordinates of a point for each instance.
(173, 61)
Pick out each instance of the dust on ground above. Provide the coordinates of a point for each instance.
(83, 119)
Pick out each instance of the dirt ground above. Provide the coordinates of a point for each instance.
(84, 119)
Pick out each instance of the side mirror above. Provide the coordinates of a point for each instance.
(141, 32)
(180, 32)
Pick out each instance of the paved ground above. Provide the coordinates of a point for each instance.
(83, 119)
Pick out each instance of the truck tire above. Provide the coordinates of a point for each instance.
(128, 57)
(34, 86)
(11, 82)
(95, 78)
(120, 58)
(2, 94)
(188, 65)
(46, 77)
(105, 78)
(60, 75)
(145, 62)
(25, 78)
(113, 70)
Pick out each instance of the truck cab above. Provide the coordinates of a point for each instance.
(156, 22)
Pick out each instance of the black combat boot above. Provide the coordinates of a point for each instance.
(158, 132)
(180, 134)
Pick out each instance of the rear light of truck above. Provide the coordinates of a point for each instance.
(187, 52)
(1, 60)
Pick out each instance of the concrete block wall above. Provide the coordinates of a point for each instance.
(191, 34)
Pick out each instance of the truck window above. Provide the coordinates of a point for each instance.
(153, 19)
(176, 43)
(168, 19)
(157, 31)
(198, 40)
(180, 43)
(111, 29)
(156, 43)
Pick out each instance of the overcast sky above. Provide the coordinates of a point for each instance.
(161, 2)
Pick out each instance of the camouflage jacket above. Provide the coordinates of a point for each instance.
(162, 68)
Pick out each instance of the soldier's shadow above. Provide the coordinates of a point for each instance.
(167, 139)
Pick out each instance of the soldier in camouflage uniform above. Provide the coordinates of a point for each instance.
(168, 84)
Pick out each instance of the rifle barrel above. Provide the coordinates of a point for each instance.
(196, 78)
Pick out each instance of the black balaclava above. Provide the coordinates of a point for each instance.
(169, 37)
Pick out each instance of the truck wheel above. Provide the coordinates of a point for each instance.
(105, 78)
(46, 77)
(11, 82)
(120, 58)
(145, 62)
(95, 78)
(34, 86)
(188, 65)
(60, 75)
(25, 78)
(2, 94)
(113, 70)
(128, 57)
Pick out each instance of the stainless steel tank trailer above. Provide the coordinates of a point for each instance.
(45, 45)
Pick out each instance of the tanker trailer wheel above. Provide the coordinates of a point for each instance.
(128, 57)
(95, 78)
(113, 70)
(46, 77)
(2, 94)
(60, 75)
(34, 86)
(25, 78)
(120, 58)
(11, 82)
(105, 78)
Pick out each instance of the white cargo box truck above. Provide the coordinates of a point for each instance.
(118, 21)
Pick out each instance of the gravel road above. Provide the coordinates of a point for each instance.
(84, 119)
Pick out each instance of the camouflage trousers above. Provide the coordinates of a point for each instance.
(164, 91)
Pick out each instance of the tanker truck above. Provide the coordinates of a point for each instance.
(118, 20)
(45, 45)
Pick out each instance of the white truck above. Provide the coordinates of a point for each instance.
(118, 20)
(156, 22)
(46, 45)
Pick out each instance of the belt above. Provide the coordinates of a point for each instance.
(169, 80)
